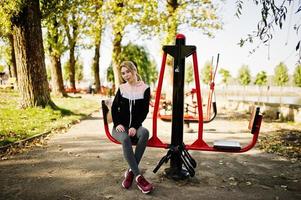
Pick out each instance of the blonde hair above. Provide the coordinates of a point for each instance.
(132, 67)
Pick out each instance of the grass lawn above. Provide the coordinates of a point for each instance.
(17, 124)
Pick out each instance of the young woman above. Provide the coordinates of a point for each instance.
(129, 109)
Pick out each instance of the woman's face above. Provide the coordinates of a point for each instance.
(127, 75)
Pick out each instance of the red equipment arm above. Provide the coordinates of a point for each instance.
(105, 111)
(199, 142)
(154, 141)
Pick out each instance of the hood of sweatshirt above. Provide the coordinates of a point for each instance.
(133, 92)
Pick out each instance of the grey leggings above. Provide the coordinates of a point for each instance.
(132, 158)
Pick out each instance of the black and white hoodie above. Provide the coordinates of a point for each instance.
(131, 105)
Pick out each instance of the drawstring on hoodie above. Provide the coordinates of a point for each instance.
(132, 96)
(130, 107)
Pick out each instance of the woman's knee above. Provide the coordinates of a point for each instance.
(143, 132)
(122, 137)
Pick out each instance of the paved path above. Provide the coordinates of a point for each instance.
(84, 164)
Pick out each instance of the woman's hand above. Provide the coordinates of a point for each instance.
(132, 132)
(120, 128)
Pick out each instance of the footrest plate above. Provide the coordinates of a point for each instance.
(227, 145)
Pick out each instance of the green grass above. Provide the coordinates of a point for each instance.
(17, 124)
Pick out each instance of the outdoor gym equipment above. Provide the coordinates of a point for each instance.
(191, 114)
(181, 163)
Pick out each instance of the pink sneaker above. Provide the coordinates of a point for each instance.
(127, 182)
(144, 185)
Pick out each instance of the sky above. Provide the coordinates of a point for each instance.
(225, 42)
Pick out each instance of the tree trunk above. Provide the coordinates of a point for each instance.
(118, 30)
(172, 21)
(56, 66)
(172, 27)
(13, 70)
(96, 65)
(9, 71)
(30, 58)
(57, 77)
(72, 37)
(116, 58)
(72, 66)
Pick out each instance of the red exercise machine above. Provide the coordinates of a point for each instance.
(181, 163)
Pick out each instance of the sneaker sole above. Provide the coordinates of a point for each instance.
(124, 186)
(145, 192)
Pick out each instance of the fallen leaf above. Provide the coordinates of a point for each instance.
(233, 183)
(284, 186)
(109, 197)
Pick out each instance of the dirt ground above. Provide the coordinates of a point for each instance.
(83, 164)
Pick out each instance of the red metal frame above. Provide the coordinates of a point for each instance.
(154, 141)
(199, 144)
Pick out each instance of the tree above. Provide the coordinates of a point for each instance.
(180, 15)
(244, 76)
(225, 74)
(281, 74)
(261, 78)
(66, 72)
(48, 71)
(7, 51)
(110, 74)
(145, 66)
(153, 78)
(12, 62)
(273, 14)
(207, 73)
(189, 75)
(120, 14)
(140, 57)
(24, 18)
(225, 78)
(54, 43)
(79, 73)
(7, 10)
(297, 76)
(198, 14)
(56, 50)
(150, 19)
(74, 21)
(95, 13)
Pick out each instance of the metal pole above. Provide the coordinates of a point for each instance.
(175, 171)
(179, 52)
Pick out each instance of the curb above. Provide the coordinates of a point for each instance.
(22, 142)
